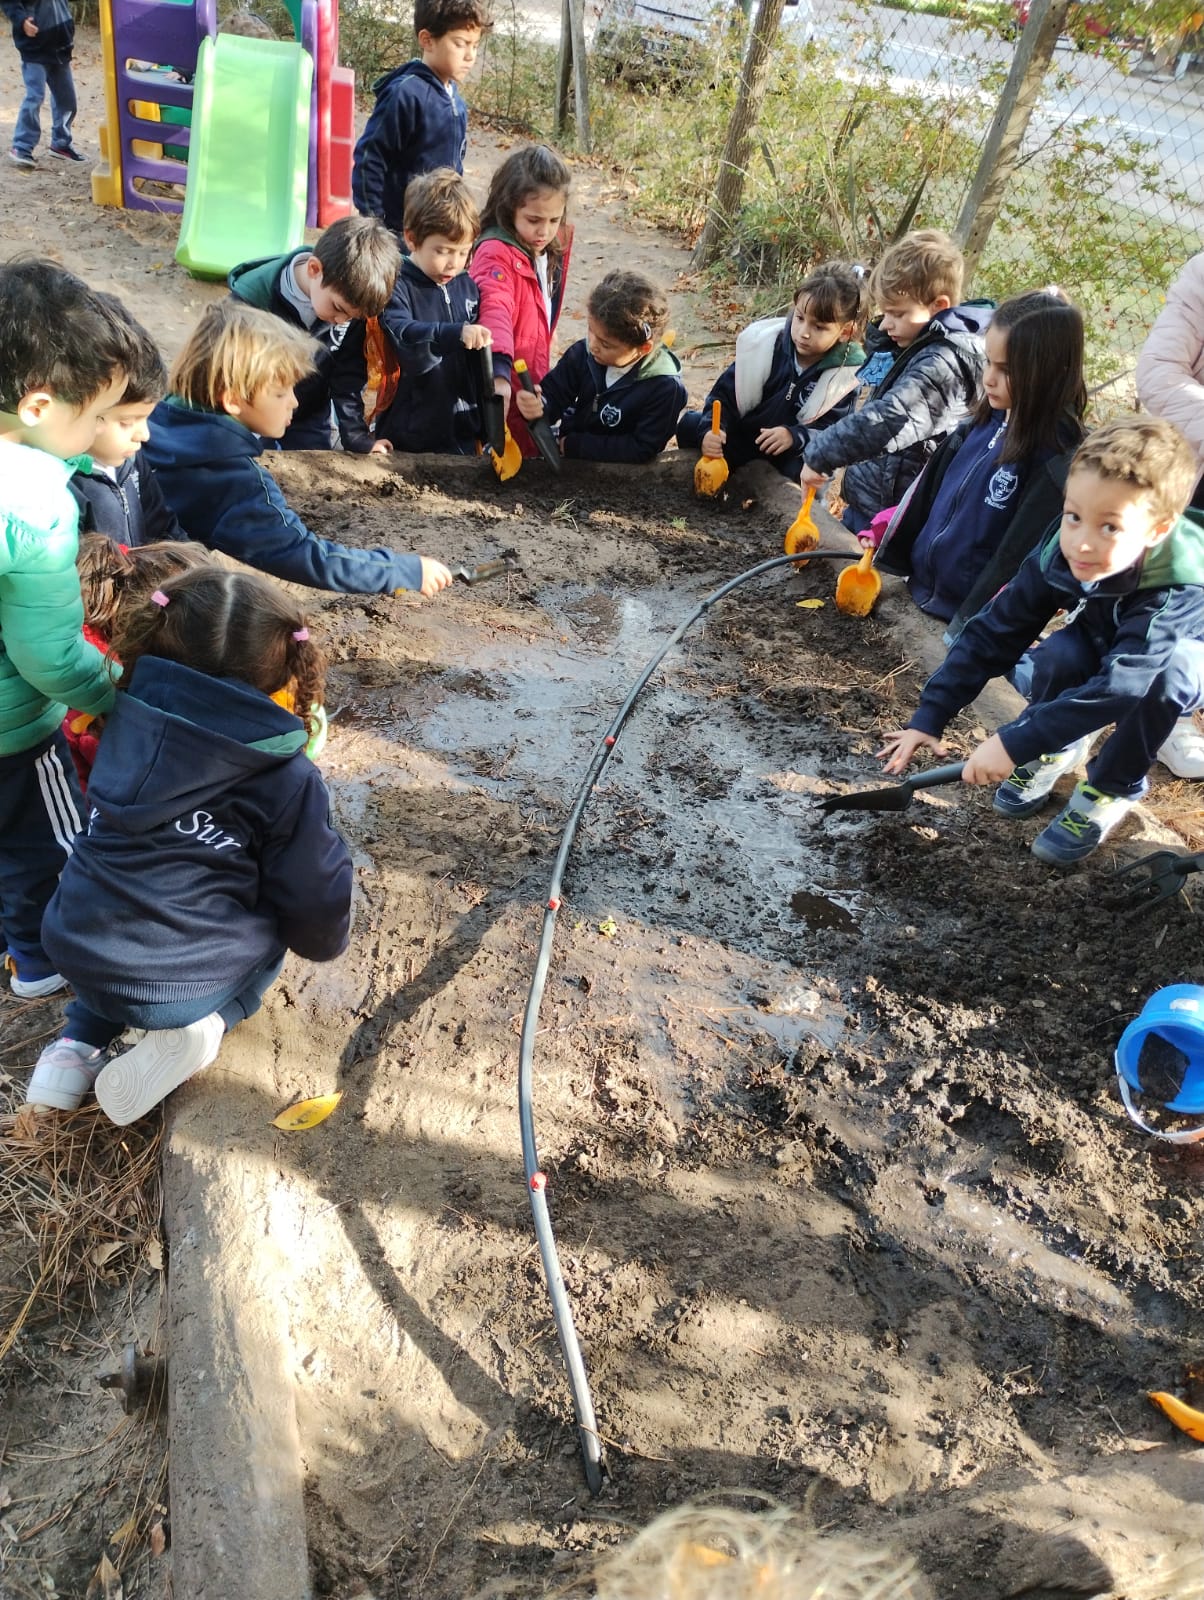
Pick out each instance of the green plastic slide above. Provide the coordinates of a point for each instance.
(249, 156)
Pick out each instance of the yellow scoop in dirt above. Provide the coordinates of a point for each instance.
(802, 534)
(510, 460)
(710, 472)
(858, 587)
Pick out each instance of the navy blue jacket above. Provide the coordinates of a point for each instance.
(908, 400)
(783, 398)
(209, 848)
(257, 283)
(129, 509)
(1133, 621)
(417, 124)
(207, 467)
(632, 420)
(437, 404)
(52, 44)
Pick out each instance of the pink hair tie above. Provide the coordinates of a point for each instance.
(301, 635)
(159, 598)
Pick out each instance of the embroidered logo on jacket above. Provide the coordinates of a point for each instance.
(201, 825)
(1001, 488)
(610, 416)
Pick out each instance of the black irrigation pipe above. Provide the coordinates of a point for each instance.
(537, 1181)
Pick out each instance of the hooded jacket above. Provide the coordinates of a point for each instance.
(908, 400)
(512, 308)
(437, 403)
(1170, 368)
(631, 420)
(207, 466)
(417, 124)
(45, 664)
(784, 399)
(967, 523)
(257, 283)
(209, 848)
(52, 44)
(128, 507)
(1133, 621)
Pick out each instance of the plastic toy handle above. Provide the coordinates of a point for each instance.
(716, 414)
(524, 377)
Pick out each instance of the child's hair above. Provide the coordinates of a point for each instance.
(238, 350)
(360, 260)
(112, 575)
(704, 1552)
(57, 334)
(524, 173)
(921, 266)
(1148, 455)
(439, 202)
(145, 373)
(227, 625)
(438, 17)
(629, 306)
(836, 292)
(1045, 373)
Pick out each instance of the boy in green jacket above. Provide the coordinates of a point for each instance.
(63, 351)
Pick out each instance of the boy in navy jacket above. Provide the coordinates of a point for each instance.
(348, 275)
(432, 398)
(44, 34)
(616, 395)
(419, 121)
(1129, 568)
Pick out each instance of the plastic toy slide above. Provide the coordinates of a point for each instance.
(248, 156)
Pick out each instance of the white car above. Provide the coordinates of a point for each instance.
(652, 40)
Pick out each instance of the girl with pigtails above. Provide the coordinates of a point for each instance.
(209, 851)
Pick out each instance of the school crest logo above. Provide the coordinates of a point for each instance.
(610, 416)
(1001, 488)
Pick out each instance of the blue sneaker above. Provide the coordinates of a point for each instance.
(1083, 823)
(1029, 788)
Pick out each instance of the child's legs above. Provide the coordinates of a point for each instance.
(29, 121)
(234, 1004)
(1123, 763)
(63, 104)
(40, 810)
(1063, 661)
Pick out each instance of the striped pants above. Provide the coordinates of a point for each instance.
(41, 811)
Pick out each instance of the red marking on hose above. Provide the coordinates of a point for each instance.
(609, 740)
(539, 1180)
(553, 904)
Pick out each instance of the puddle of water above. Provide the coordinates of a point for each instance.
(820, 911)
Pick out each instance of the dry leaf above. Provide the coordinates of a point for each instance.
(126, 1531)
(808, 605)
(157, 1538)
(6, 1496)
(154, 1253)
(307, 1113)
(106, 1583)
(104, 1253)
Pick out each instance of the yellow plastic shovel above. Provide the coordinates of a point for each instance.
(710, 472)
(858, 587)
(802, 534)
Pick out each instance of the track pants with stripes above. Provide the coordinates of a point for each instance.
(41, 811)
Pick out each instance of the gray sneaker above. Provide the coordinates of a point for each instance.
(66, 1070)
(1029, 788)
(21, 158)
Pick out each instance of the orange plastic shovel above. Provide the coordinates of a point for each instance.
(802, 534)
(710, 472)
(858, 587)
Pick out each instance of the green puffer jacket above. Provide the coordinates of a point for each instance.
(45, 663)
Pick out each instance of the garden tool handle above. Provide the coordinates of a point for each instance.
(935, 776)
(716, 415)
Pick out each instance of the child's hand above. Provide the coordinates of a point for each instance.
(474, 337)
(530, 406)
(382, 447)
(713, 443)
(435, 576)
(30, 27)
(901, 745)
(810, 479)
(774, 441)
(989, 763)
(500, 386)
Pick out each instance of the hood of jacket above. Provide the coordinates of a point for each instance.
(178, 739)
(195, 438)
(1176, 562)
(411, 69)
(258, 282)
(563, 239)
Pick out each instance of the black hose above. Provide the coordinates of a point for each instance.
(570, 1349)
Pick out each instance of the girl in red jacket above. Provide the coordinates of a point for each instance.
(520, 266)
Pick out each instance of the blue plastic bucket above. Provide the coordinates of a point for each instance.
(1160, 1060)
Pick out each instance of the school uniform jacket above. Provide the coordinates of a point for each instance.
(128, 507)
(632, 420)
(1133, 620)
(209, 848)
(208, 468)
(417, 124)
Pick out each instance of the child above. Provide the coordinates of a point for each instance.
(922, 375)
(429, 324)
(791, 377)
(209, 850)
(348, 275)
(1129, 568)
(44, 33)
(995, 486)
(116, 492)
(419, 121)
(62, 356)
(520, 267)
(616, 394)
(231, 388)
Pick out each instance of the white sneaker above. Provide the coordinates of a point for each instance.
(134, 1083)
(66, 1070)
(1182, 753)
(36, 988)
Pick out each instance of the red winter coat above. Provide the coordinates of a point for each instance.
(512, 308)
